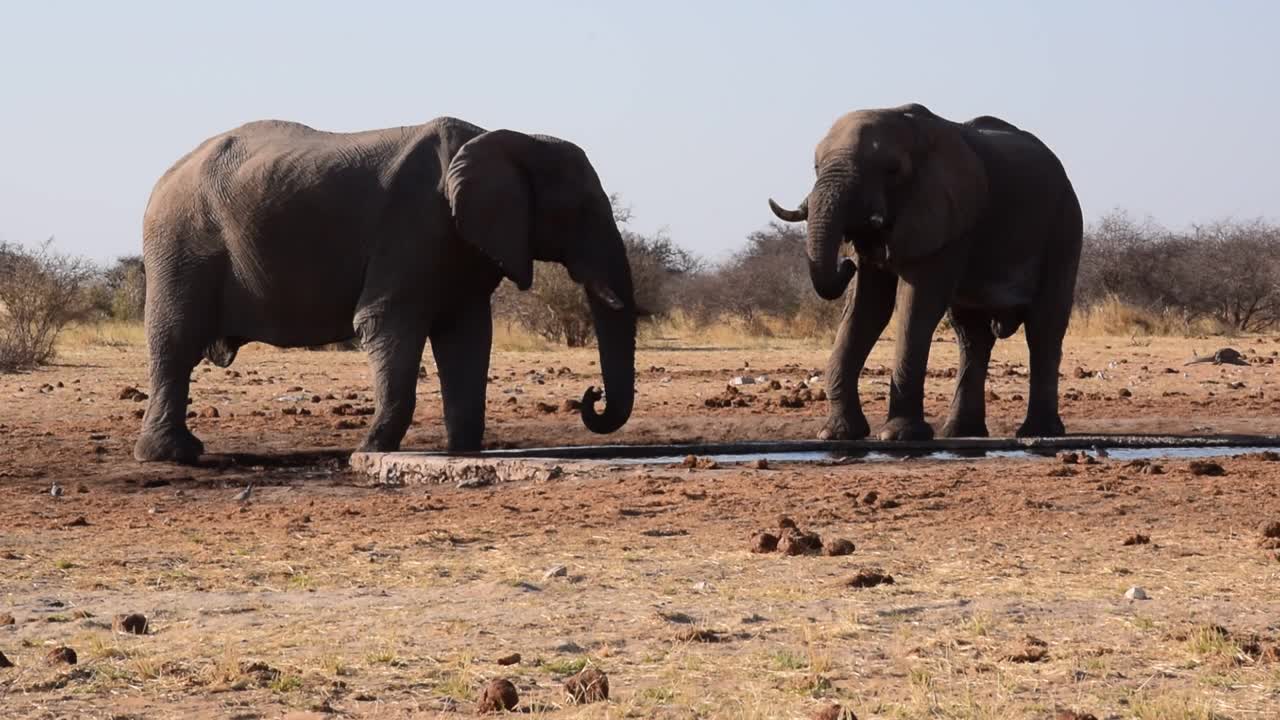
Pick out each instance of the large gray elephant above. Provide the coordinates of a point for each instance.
(278, 233)
(976, 218)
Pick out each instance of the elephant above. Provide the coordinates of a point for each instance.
(279, 233)
(977, 221)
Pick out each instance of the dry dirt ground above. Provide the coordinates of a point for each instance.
(325, 596)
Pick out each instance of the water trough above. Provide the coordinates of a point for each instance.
(525, 464)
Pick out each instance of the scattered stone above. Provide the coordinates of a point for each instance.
(61, 655)
(7, 619)
(498, 696)
(1137, 539)
(1264, 456)
(545, 407)
(1069, 458)
(839, 547)
(209, 412)
(588, 686)
(5, 662)
(835, 712)
(1074, 715)
(1136, 593)
(764, 542)
(700, 463)
(869, 578)
(889, 504)
(80, 521)
(1032, 650)
(131, 624)
(759, 464)
(1125, 393)
(348, 424)
(571, 405)
(1271, 529)
(791, 400)
(786, 523)
(797, 542)
(132, 393)
(1206, 468)
(512, 659)
(870, 498)
(555, 571)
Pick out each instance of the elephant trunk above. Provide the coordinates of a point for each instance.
(613, 310)
(829, 273)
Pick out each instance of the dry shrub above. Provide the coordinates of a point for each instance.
(41, 292)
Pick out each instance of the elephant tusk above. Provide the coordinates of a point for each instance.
(798, 215)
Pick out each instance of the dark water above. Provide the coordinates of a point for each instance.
(1121, 454)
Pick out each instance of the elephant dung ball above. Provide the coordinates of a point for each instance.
(834, 712)
(498, 696)
(61, 655)
(131, 624)
(839, 547)
(588, 686)
(796, 542)
(764, 542)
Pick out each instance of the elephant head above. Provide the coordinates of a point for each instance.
(897, 183)
(520, 198)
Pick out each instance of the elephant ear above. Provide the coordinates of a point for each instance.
(491, 200)
(945, 195)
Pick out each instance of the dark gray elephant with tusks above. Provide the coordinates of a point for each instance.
(278, 233)
(977, 219)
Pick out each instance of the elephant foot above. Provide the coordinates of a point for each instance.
(1050, 426)
(964, 428)
(176, 445)
(381, 439)
(902, 429)
(839, 428)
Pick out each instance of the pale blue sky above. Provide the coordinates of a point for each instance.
(695, 112)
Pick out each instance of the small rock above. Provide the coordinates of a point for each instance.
(4, 662)
(1137, 539)
(80, 521)
(571, 405)
(1136, 593)
(498, 696)
(512, 659)
(588, 686)
(869, 578)
(834, 712)
(1074, 715)
(132, 393)
(555, 571)
(759, 464)
(870, 498)
(786, 523)
(1125, 393)
(131, 624)
(209, 412)
(348, 424)
(839, 547)
(61, 655)
(764, 542)
(1271, 529)
(1069, 458)
(545, 407)
(1206, 468)
(7, 619)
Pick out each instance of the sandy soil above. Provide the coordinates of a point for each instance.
(325, 595)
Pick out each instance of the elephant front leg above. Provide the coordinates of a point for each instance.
(864, 319)
(395, 354)
(920, 309)
(968, 416)
(461, 347)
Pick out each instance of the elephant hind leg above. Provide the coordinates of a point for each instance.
(181, 321)
(974, 334)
